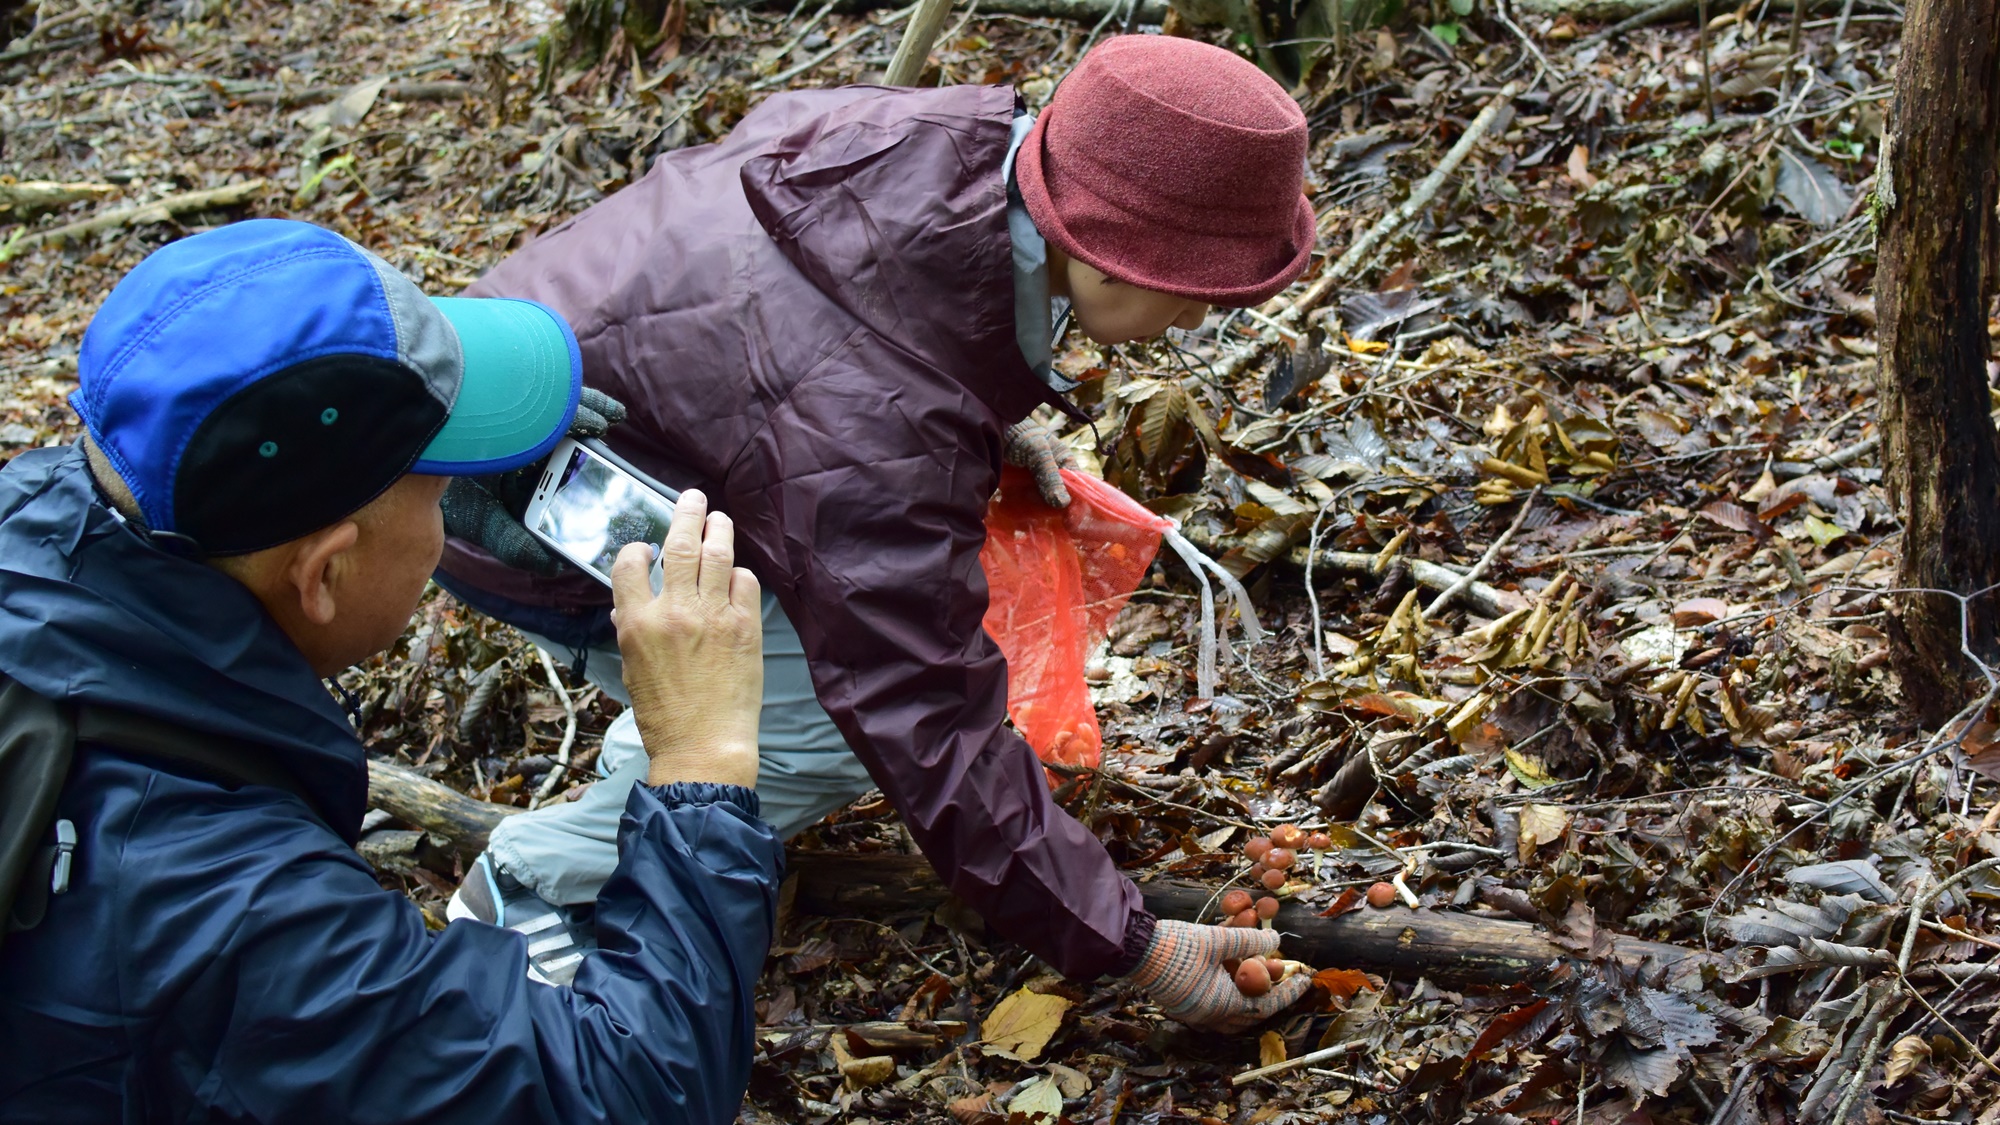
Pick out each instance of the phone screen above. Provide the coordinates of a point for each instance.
(596, 509)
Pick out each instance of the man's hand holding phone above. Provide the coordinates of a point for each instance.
(694, 652)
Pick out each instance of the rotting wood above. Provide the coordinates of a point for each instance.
(158, 211)
(434, 807)
(1453, 949)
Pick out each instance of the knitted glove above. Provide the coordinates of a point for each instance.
(596, 412)
(1182, 971)
(1034, 447)
(488, 510)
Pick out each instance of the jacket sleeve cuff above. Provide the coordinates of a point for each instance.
(676, 794)
(1138, 939)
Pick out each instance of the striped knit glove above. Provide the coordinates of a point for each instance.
(1182, 971)
(1036, 448)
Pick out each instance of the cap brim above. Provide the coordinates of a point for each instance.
(523, 374)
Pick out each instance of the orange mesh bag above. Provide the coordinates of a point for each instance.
(1056, 577)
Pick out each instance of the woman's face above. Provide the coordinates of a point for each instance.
(1111, 311)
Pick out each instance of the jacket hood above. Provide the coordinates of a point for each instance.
(90, 611)
(916, 249)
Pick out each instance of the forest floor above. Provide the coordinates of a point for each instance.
(1631, 337)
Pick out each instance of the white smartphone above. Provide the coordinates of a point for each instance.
(590, 503)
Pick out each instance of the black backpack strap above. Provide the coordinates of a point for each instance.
(37, 743)
(223, 758)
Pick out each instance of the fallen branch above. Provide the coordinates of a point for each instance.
(1483, 599)
(158, 211)
(1485, 563)
(16, 54)
(32, 197)
(1666, 9)
(1455, 949)
(434, 807)
(1451, 948)
(561, 770)
(882, 1035)
(1363, 249)
(441, 91)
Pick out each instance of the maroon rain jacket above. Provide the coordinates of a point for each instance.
(815, 320)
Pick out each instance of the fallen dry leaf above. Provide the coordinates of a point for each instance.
(1696, 612)
(1022, 1024)
(1270, 1049)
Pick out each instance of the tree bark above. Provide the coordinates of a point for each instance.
(1931, 290)
(434, 807)
(1457, 950)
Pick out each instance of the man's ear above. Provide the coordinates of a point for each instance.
(316, 566)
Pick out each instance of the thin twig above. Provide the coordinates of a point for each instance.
(1485, 562)
(1307, 1059)
(556, 775)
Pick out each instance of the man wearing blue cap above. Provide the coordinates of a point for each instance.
(272, 415)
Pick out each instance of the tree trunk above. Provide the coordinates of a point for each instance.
(1931, 288)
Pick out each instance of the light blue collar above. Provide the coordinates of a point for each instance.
(1035, 313)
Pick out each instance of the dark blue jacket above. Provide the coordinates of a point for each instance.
(223, 955)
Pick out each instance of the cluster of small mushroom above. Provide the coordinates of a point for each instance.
(1273, 863)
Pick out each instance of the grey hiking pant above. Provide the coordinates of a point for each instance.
(566, 851)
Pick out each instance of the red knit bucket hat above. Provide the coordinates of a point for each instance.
(1174, 166)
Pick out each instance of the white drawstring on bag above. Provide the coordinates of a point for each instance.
(1202, 565)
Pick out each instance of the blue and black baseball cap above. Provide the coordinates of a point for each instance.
(258, 382)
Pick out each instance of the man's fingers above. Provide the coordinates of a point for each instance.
(680, 555)
(718, 556)
(745, 594)
(629, 584)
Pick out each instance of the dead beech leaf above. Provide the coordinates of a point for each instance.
(1341, 984)
(1765, 485)
(1022, 1024)
(1579, 168)
(1528, 769)
(1735, 517)
(1541, 824)
(1696, 612)
(1040, 1099)
(967, 1111)
(861, 1073)
(1270, 1049)
(1350, 899)
(1909, 1053)
(1661, 431)
(1982, 750)
(1504, 1025)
